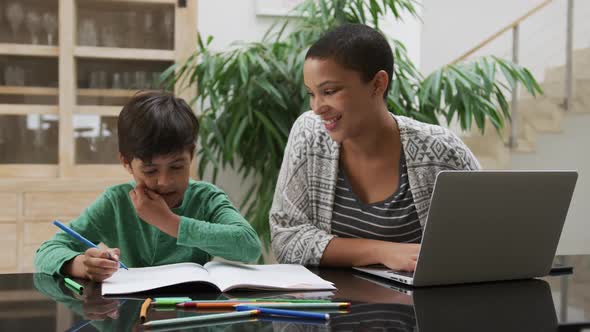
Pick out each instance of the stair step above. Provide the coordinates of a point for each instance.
(557, 89)
(579, 106)
(582, 53)
(490, 163)
(525, 130)
(489, 148)
(581, 67)
(581, 70)
(524, 146)
(542, 113)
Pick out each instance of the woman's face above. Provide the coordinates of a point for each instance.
(341, 98)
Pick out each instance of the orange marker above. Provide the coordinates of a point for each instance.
(144, 309)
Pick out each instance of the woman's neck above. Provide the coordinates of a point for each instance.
(381, 132)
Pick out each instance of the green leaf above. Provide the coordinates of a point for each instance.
(270, 127)
(238, 136)
(243, 68)
(271, 90)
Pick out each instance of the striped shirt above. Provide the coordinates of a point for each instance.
(302, 208)
(394, 219)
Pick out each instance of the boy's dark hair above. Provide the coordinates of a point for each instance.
(357, 47)
(156, 123)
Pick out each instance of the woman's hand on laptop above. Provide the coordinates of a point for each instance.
(399, 256)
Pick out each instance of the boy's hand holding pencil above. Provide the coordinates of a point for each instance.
(96, 264)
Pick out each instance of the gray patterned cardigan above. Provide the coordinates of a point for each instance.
(301, 213)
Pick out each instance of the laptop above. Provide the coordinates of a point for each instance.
(489, 226)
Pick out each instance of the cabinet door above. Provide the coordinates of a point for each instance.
(28, 87)
(8, 246)
(29, 121)
(120, 48)
(53, 205)
(34, 234)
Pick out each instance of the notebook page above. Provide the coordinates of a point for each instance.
(272, 276)
(146, 278)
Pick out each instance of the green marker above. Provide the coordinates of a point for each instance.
(74, 285)
(284, 300)
(170, 300)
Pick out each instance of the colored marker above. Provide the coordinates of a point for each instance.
(283, 300)
(286, 313)
(71, 283)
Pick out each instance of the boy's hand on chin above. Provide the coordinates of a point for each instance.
(152, 208)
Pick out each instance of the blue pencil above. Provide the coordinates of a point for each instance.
(286, 313)
(80, 238)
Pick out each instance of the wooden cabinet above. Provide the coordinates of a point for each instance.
(66, 69)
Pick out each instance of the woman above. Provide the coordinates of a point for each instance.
(356, 181)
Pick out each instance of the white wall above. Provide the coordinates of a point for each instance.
(408, 31)
(236, 20)
(452, 27)
(567, 150)
(230, 20)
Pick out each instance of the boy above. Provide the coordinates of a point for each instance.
(162, 217)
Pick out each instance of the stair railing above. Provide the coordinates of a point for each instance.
(515, 27)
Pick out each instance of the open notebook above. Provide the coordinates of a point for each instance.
(225, 276)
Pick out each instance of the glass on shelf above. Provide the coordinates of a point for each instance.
(95, 139)
(15, 15)
(98, 80)
(108, 36)
(112, 82)
(29, 139)
(87, 34)
(148, 30)
(29, 22)
(119, 24)
(50, 27)
(14, 76)
(33, 23)
(28, 80)
(117, 81)
(168, 28)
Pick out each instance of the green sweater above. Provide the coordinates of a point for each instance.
(209, 226)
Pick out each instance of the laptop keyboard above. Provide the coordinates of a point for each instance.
(401, 273)
(389, 271)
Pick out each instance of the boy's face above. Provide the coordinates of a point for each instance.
(166, 175)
